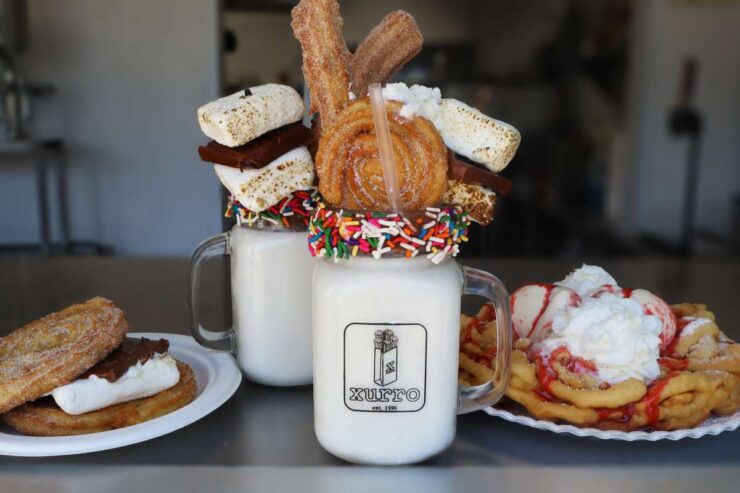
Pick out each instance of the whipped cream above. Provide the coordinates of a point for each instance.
(588, 280)
(614, 333)
(141, 380)
(418, 100)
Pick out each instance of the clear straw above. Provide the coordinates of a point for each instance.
(385, 147)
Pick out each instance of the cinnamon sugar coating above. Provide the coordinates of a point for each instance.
(389, 46)
(349, 168)
(317, 25)
(54, 350)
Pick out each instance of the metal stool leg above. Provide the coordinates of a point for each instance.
(61, 181)
(43, 202)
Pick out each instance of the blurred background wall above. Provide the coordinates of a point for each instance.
(669, 31)
(591, 85)
(128, 77)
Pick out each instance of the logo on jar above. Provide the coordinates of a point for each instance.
(386, 357)
(385, 368)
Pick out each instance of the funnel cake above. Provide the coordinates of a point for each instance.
(54, 350)
(349, 168)
(699, 377)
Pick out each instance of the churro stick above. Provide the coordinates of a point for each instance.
(388, 47)
(317, 25)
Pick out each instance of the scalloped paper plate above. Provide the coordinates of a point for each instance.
(712, 426)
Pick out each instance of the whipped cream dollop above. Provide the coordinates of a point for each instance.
(587, 280)
(614, 333)
(80, 396)
(418, 100)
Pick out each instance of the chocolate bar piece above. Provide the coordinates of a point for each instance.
(130, 352)
(261, 151)
(467, 172)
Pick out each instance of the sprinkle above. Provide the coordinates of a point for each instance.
(290, 211)
(338, 234)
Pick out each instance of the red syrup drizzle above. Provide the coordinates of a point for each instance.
(545, 303)
(674, 364)
(670, 349)
(487, 357)
(652, 399)
(546, 373)
(488, 314)
(476, 325)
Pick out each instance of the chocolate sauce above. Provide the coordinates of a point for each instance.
(129, 353)
(468, 172)
(261, 151)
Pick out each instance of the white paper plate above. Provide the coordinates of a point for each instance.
(217, 377)
(712, 426)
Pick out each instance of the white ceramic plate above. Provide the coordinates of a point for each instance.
(712, 426)
(217, 377)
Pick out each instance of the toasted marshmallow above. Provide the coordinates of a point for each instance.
(476, 136)
(237, 119)
(477, 200)
(258, 189)
(81, 396)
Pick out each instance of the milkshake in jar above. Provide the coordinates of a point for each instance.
(386, 346)
(402, 173)
(259, 155)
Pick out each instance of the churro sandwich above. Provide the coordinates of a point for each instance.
(75, 372)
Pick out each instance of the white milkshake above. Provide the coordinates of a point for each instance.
(271, 299)
(386, 337)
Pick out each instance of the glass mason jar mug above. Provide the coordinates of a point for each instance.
(271, 301)
(386, 354)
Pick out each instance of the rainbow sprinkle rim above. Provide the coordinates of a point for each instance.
(291, 210)
(436, 232)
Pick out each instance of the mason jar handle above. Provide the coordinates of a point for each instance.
(484, 284)
(222, 340)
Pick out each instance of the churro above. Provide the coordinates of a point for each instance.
(317, 25)
(54, 350)
(350, 174)
(387, 48)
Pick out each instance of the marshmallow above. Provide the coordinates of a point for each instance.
(81, 396)
(477, 200)
(476, 136)
(241, 117)
(259, 189)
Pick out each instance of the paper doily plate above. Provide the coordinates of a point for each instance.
(712, 426)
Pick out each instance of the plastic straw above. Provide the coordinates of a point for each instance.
(385, 147)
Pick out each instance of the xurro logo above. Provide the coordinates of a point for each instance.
(385, 369)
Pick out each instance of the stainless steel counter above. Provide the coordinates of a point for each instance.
(264, 436)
